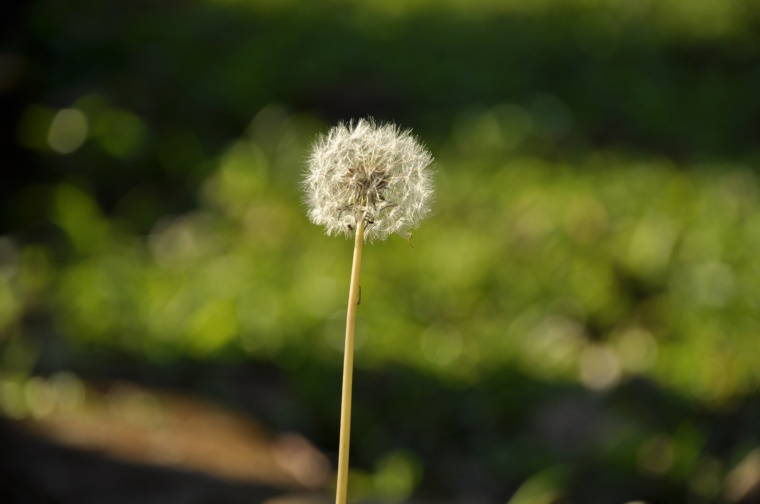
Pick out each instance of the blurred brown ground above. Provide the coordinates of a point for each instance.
(153, 447)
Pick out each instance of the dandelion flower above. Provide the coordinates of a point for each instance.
(367, 181)
(371, 172)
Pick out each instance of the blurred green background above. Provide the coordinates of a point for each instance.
(578, 321)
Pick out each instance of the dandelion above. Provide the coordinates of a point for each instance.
(368, 172)
(368, 181)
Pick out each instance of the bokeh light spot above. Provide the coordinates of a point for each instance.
(599, 368)
(636, 348)
(39, 397)
(68, 131)
(69, 391)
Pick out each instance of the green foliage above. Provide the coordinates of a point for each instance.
(611, 268)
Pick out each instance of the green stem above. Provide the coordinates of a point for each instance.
(354, 294)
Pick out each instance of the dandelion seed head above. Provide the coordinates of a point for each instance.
(364, 170)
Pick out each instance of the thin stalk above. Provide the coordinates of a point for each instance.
(354, 294)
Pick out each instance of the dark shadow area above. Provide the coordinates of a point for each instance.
(33, 470)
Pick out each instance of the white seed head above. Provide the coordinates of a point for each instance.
(369, 171)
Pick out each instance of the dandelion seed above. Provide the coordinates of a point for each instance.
(371, 172)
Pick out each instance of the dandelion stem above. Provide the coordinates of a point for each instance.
(348, 367)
